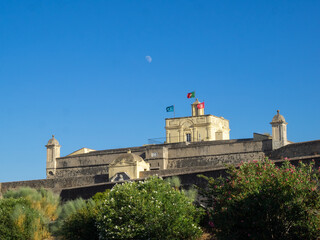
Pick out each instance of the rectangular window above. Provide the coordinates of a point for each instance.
(280, 134)
(188, 137)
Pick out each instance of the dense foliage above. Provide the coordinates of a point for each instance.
(151, 209)
(26, 214)
(77, 218)
(9, 228)
(258, 200)
(42, 200)
(99, 197)
(78, 221)
(261, 201)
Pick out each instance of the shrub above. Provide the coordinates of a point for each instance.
(80, 224)
(30, 212)
(9, 228)
(261, 201)
(99, 197)
(65, 211)
(20, 221)
(147, 210)
(45, 201)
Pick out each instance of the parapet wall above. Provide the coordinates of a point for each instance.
(215, 161)
(217, 155)
(172, 155)
(177, 172)
(294, 150)
(223, 147)
(86, 187)
(93, 163)
(55, 184)
(187, 180)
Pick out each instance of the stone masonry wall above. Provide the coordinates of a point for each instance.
(202, 149)
(176, 172)
(297, 150)
(92, 168)
(215, 160)
(176, 155)
(217, 155)
(56, 184)
(93, 163)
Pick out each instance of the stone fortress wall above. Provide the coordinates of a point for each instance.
(93, 163)
(182, 155)
(55, 184)
(217, 154)
(167, 156)
(187, 176)
(92, 168)
(85, 168)
(296, 150)
(189, 151)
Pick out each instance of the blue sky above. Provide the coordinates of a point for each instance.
(77, 69)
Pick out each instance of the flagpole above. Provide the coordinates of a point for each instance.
(174, 111)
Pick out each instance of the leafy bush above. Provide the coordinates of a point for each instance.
(77, 218)
(261, 201)
(80, 224)
(26, 213)
(147, 210)
(65, 211)
(45, 201)
(9, 229)
(99, 197)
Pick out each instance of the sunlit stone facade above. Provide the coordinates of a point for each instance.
(196, 128)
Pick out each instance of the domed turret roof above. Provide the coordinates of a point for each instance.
(196, 101)
(127, 159)
(53, 141)
(278, 118)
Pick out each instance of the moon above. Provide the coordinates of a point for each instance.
(149, 59)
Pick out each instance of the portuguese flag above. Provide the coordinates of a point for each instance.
(200, 105)
(191, 95)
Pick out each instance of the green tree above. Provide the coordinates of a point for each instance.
(99, 197)
(9, 228)
(77, 220)
(45, 201)
(26, 213)
(151, 209)
(81, 224)
(261, 201)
